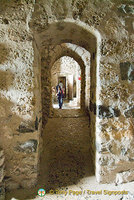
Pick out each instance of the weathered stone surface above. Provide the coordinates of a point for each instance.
(2, 192)
(108, 112)
(101, 148)
(111, 147)
(124, 151)
(29, 31)
(2, 161)
(129, 24)
(106, 160)
(127, 71)
(126, 9)
(93, 107)
(131, 73)
(4, 52)
(125, 176)
(29, 183)
(36, 123)
(28, 146)
(130, 112)
(26, 127)
(1, 153)
(12, 185)
(2, 174)
(5, 21)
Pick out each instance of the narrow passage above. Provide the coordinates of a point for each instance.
(66, 155)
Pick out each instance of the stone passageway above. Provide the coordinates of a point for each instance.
(65, 158)
(66, 163)
(88, 45)
(66, 155)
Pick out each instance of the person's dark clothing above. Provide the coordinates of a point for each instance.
(57, 88)
(60, 98)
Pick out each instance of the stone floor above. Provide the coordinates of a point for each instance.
(72, 104)
(66, 171)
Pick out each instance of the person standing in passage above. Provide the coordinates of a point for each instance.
(61, 84)
(60, 97)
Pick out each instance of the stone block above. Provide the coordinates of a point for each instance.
(129, 24)
(125, 177)
(127, 71)
(28, 183)
(26, 127)
(106, 160)
(131, 73)
(28, 146)
(108, 112)
(101, 148)
(130, 112)
(126, 9)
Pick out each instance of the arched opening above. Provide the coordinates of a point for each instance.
(56, 34)
(54, 43)
(67, 73)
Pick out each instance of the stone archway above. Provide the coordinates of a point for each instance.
(67, 70)
(74, 33)
(81, 35)
(83, 57)
(62, 50)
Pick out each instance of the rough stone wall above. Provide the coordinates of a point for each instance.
(111, 107)
(2, 174)
(115, 120)
(19, 116)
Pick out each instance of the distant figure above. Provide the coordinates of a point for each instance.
(61, 84)
(60, 97)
